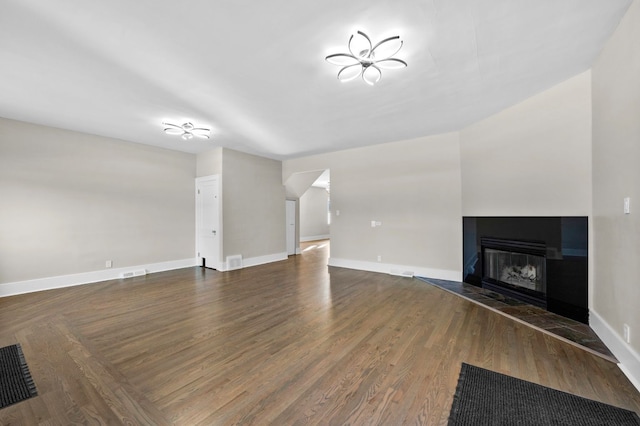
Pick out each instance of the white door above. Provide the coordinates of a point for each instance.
(208, 235)
(291, 227)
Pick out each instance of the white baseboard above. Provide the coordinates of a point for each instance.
(49, 283)
(390, 268)
(314, 238)
(259, 260)
(629, 359)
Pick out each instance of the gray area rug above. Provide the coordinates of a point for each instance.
(484, 397)
(15, 379)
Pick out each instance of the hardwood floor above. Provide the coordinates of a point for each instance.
(286, 343)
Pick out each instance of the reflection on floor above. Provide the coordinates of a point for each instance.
(556, 324)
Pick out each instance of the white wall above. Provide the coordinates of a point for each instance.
(533, 159)
(253, 204)
(71, 201)
(412, 187)
(253, 200)
(313, 214)
(209, 163)
(616, 174)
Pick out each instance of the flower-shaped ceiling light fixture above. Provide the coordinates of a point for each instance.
(367, 60)
(186, 131)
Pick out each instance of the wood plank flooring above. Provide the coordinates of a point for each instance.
(286, 343)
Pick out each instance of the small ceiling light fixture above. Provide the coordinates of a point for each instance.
(186, 131)
(366, 60)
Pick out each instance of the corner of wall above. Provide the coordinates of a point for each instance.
(628, 358)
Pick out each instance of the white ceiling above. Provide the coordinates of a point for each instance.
(254, 71)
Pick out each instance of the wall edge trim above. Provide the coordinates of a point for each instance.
(62, 281)
(629, 359)
(389, 268)
(259, 260)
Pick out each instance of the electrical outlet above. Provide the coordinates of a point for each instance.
(108, 264)
(627, 205)
(627, 333)
(379, 258)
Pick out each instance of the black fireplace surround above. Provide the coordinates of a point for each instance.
(539, 260)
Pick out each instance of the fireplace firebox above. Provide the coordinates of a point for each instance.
(538, 260)
(516, 268)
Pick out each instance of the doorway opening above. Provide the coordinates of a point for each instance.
(315, 209)
(208, 229)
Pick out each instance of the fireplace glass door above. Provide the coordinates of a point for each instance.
(525, 271)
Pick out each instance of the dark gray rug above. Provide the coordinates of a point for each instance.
(485, 397)
(15, 379)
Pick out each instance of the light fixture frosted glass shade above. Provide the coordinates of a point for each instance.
(186, 130)
(367, 60)
(388, 47)
(360, 45)
(173, 131)
(349, 73)
(342, 59)
(371, 75)
(391, 64)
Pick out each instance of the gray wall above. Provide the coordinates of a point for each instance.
(252, 202)
(209, 163)
(533, 159)
(253, 205)
(616, 174)
(71, 201)
(412, 187)
(313, 214)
